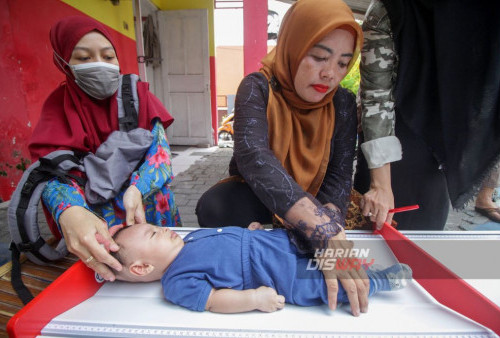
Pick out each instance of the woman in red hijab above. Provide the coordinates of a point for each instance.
(81, 115)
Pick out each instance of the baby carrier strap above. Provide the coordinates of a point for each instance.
(128, 102)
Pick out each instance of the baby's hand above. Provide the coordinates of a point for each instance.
(268, 300)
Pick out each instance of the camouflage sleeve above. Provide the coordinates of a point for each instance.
(378, 70)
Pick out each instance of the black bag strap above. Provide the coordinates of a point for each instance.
(15, 276)
(47, 169)
(130, 120)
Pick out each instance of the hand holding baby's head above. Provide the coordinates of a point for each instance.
(146, 251)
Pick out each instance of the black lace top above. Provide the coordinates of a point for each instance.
(256, 163)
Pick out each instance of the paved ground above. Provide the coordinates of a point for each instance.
(189, 185)
(197, 169)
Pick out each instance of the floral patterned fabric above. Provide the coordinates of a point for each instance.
(152, 179)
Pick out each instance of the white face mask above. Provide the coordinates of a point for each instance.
(98, 79)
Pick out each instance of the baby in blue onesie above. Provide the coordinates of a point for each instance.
(232, 269)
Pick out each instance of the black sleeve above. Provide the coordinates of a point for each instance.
(336, 187)
(253, 158)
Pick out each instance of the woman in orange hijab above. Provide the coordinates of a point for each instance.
(295, 136)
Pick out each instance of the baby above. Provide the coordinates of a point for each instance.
(231, 269)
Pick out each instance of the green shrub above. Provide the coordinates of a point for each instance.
(351, 80)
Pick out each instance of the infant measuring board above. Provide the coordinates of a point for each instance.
(78, 305)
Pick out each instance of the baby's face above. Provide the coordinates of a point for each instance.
(152, 244)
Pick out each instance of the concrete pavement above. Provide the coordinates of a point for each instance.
(190, 184)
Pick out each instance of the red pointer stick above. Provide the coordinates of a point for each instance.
(408, 208)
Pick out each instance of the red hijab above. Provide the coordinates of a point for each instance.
(72, 120)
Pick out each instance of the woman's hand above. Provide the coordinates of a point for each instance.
(132, 202)
(332, 207)
(377, 202)
(81, 230)
(353, 279)
(319, 225)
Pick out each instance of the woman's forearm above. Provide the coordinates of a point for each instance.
(380, 178)
(156, 169)
(58, 197)
(316, 223)
(379, 199)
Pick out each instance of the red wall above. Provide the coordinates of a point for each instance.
(254, 34)
(28, 75)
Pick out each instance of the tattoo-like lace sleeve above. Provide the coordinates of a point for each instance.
(337, 184)
(253, 159)
(308, 236)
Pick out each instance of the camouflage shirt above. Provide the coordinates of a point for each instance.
(378, 73)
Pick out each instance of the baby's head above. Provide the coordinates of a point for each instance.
(146, 251)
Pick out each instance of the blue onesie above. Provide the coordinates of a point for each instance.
(237, 258)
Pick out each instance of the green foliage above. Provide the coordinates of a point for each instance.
(25, 163)
(22, 166)
(351, 81)
(3, 169)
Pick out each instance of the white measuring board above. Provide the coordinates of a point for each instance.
(472, 255)
(125, 309)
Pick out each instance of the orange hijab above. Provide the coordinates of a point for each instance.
(300, 132)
